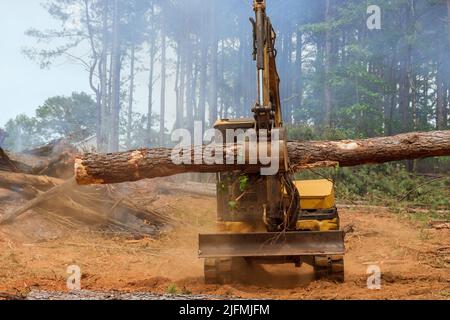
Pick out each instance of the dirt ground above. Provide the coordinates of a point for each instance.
(35, 254)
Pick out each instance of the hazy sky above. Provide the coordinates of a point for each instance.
(24, 86)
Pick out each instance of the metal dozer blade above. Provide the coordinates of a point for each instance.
(268, 244)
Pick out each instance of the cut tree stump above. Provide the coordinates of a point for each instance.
(151, 163)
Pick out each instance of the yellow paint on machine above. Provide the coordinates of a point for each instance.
(316, 194)
(240, 227)
(316, 225)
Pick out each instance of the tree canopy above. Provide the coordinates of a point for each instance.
(340, 78)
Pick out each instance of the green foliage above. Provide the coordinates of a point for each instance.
(233, 204)
(60, 116)
(388, 185)
(172, 289)
(57, 117)
(243, 183)
(22, 133)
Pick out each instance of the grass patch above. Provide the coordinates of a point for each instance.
(172, 289)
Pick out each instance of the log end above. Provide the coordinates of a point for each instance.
(82, 176)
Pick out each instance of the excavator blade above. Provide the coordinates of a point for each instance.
(269, 244)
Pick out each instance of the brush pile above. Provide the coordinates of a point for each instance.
(39, 182)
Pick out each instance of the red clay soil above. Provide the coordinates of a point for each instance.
(35, 254)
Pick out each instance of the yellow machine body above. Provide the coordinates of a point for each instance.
(270, 219)
(315, 194)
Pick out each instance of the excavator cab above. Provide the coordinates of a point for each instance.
(270, 219)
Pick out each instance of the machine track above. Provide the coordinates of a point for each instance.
(329, 268)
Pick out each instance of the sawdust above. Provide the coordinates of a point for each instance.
(35, 255)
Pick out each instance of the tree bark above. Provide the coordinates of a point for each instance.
(152, 163)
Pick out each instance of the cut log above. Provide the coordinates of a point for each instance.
(408, 146)
(151, 163)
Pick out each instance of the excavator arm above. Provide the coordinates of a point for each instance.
(267, 109)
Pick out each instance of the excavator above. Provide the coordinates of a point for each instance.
(271, 219)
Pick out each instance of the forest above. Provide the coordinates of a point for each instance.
(339, 78)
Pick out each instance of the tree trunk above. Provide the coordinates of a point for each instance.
(299, 77)
(181, 88)
(131, 97)
(102, 139)
(150, 77)
(405, 76)
(177, 84)
(448, 20)
(203, 81)
(440, 103)
(190, 88)
(327, 68)
(213, 113)
(163, 88)
(151, 163)
(150, 92)
(116, 66)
